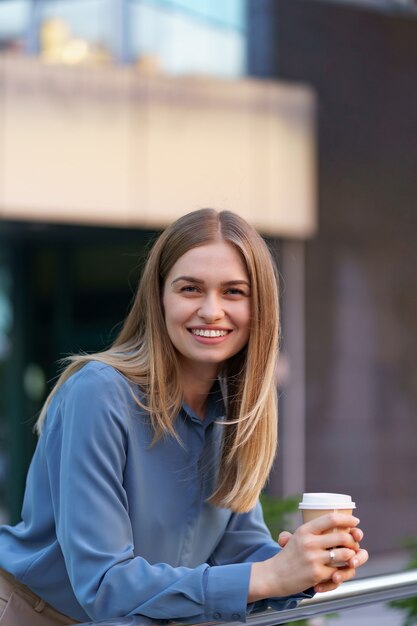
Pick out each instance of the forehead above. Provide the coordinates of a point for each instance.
(219, 257)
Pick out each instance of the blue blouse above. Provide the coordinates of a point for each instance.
(114, 526)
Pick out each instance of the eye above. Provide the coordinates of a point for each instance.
(235, 291)
(189, 289)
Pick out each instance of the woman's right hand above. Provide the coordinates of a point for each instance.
(305, 562)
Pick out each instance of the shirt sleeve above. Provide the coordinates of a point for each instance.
(86, 451)
(248, 540)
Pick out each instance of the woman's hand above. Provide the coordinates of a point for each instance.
(305, 562)
(341, 574)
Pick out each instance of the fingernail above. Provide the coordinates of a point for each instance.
(357, 520)
(355, 562)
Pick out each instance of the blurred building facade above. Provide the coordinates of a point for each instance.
(118, 115)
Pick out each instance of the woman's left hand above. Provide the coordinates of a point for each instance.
(341, 574)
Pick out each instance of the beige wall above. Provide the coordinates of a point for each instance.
(110, 146)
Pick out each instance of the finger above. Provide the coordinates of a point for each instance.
(283, 538)
(343, 574)
(327, 585)
(329, 521)
(337, 557)
(357, 534)
(337, 538)
(359, 559)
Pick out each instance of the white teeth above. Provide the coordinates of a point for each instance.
(208, 333)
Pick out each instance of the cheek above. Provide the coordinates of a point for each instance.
(175, 311)
(245, 316)
(168, 306)
(242, 318)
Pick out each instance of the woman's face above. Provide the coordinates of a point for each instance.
(207, 304)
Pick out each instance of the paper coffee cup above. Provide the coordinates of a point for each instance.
(316, 504)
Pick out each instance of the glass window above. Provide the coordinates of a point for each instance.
(226, 13)
(14, 17)
(77, 31)
(174, 36)
(184, 37)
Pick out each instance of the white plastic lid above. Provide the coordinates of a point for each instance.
(326, 501)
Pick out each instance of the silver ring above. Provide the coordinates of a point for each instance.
(332, 557)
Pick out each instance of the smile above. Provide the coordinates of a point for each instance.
(209, 333)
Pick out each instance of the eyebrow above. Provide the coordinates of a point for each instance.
(192, 279)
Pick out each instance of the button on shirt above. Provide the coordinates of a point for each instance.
(113, 525)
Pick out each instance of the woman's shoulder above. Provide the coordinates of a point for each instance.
(97, 375)
(95, 385)
(93, 407)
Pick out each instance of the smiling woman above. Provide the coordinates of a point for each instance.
(142, 495)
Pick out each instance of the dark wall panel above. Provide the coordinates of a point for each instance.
(361, 268)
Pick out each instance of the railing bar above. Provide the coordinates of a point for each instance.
(364, 586)
(304, 612)
(324, 603)
(350, 595)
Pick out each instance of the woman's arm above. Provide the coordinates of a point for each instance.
(86, 448)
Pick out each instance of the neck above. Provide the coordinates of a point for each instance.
(197, 382)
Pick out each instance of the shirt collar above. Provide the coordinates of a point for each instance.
(215, 407)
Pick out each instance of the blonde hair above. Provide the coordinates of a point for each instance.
(144, 354)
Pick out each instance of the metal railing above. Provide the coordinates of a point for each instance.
(352, 594)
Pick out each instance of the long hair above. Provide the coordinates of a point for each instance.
(144, 354)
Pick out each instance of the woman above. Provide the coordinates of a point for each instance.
(142, 495)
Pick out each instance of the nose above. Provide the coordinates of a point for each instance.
(211, 308)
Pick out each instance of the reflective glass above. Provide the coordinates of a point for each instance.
(14, 16)
(175, 36)
(229, 13)
(77, 31)
(165, 37)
